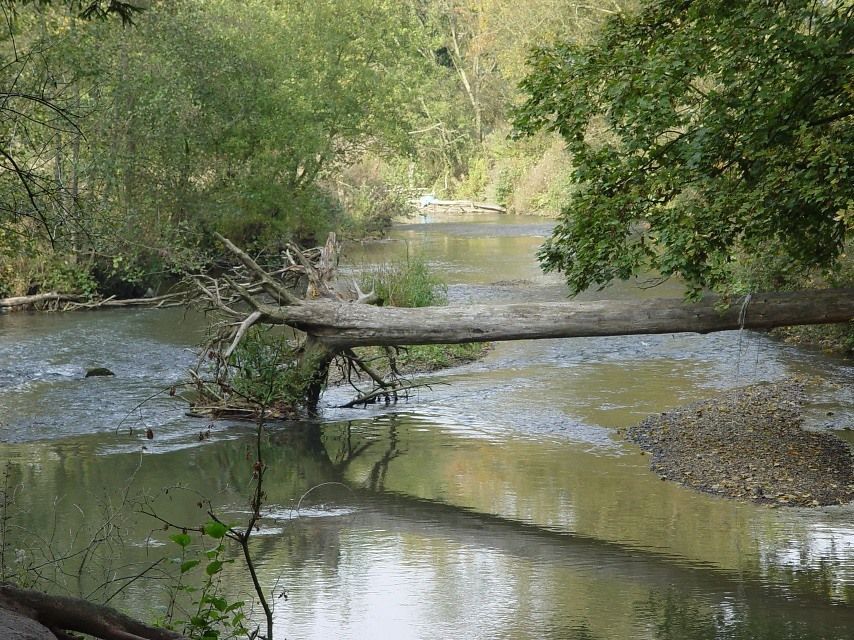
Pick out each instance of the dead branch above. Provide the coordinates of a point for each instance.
(74, 302)
(389, 395)
(251, 319)
(272, 287)
(37, 299)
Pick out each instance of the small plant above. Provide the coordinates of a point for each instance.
(65, 276)
(409, 283)
(266, 370)
(213, 617)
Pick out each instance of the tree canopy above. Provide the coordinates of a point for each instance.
(701, 131)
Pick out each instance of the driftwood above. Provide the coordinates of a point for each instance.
(39, 298)
(64, 614)
(176, 299)
(73, 302)
(458, 206)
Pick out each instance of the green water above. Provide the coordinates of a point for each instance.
(500, 503)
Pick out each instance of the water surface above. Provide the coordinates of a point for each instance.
(500, 503)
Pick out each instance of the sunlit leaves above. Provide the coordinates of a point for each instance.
(700, 130)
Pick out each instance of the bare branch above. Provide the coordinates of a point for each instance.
(275, 289)
(241, 331)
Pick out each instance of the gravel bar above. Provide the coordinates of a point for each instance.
(748, 444)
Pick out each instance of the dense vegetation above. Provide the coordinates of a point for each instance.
(702, 131)
(126, 143)
(703, 139)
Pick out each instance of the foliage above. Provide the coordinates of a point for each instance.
(213, 616)
(372, 207)
(87, 9)
(266, 370)
(430, 357)
(407, 283)
(137, 143)
(700, 129)
(770, 270)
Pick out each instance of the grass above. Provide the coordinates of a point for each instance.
(406, 283)
(411, 283)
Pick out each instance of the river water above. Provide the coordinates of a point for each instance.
(499, 503)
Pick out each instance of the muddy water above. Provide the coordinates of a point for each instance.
(501, 503)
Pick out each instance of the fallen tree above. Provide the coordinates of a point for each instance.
(338, 325)
(62, 614)
(334, 321)
(73, 302)
(457, 206)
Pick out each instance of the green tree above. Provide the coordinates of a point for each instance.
(133, 144)
(701, 130)
(234, 113)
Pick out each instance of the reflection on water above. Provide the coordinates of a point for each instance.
(501, 503)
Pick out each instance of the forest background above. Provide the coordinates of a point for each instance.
(127, 143)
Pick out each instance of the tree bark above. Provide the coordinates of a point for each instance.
(75, 614)
(340, 325)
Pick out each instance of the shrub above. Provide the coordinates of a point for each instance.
(408, 283)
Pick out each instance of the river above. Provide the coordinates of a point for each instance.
(499, 503)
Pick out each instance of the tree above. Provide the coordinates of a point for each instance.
(701, 131)
(86, 9)
(136, 143)
(261, 102)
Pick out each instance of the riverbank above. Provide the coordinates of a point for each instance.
(749, 444)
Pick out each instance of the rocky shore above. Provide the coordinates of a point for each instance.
(748, 444)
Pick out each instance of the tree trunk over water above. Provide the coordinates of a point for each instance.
(340, 324)
(334, 324)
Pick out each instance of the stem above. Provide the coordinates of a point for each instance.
(253, 519)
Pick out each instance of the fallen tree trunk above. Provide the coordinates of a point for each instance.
(341, 325)
(73, 302)
(334, 324)
(461, 206)
(39, 298)
(62, 613)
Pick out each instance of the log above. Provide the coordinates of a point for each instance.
(74, 302)
(339, 325)
(464, 206)
(25, 301)
(78, 615)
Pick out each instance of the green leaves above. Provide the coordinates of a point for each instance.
(215, 617)
(215, 530)
(183, 540)
(700, 130)
(189, 564)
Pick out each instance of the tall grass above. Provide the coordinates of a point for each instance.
(406, 283)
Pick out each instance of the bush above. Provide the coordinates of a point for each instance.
(266, 371)
(408, 283)
(372, 207)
